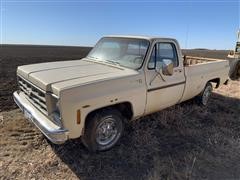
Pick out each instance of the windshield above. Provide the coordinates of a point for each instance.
(126, 52)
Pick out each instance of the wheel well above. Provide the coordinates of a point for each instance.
(216, 80)
(124, 108)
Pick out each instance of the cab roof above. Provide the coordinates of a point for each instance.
(150, 38)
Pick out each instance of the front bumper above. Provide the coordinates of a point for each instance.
(54, 133)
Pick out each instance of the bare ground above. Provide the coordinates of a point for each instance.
(182, 142)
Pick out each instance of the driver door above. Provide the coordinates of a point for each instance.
(163, 90)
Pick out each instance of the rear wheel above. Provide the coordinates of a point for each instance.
(103, 130)
(204, 96)
(236, 74)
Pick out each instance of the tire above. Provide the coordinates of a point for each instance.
(103, 130)
(236, 73)
(204, 96)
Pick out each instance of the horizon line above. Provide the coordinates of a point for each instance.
(85, 46)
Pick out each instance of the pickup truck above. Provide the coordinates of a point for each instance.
(120, 80)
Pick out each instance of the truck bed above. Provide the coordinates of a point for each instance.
(191, 60)
(234, 64)
(199, 70)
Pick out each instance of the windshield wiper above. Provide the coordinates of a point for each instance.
(104, 61)
(113, 62)
(91, 57)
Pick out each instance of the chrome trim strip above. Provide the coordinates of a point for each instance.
(53, 95)
(162, 87)
(45, 92)
(32, 84)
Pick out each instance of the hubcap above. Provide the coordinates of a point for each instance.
(106, 131)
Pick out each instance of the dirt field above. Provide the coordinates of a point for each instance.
(182, 142)
(217, 54)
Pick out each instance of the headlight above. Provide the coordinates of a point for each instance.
(58, 106)
(56, 114)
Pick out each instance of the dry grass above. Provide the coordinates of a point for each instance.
(182, 142)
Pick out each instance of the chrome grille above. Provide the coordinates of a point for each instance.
(35, 96)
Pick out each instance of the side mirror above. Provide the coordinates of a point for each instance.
(231, 52)
(167, 67)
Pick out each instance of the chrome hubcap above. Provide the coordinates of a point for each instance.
(106, 131)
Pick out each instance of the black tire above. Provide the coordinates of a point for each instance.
(107, 122)
(236, 73)
(204, 96)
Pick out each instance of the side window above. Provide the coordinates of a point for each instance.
(162, 51)
(168, 51)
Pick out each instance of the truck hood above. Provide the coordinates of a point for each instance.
(55, 76)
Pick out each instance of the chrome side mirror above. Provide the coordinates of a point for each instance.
(167, 67)
(231, 52)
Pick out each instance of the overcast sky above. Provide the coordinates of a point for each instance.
(195, 24)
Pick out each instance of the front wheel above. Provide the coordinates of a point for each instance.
(103, 130)
(204, 96)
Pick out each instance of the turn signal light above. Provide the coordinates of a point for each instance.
(78, 116)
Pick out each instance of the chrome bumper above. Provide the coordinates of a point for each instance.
(54, 133)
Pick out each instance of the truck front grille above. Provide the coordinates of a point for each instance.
(35, 95)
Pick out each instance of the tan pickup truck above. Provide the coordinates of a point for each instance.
(121, 79)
